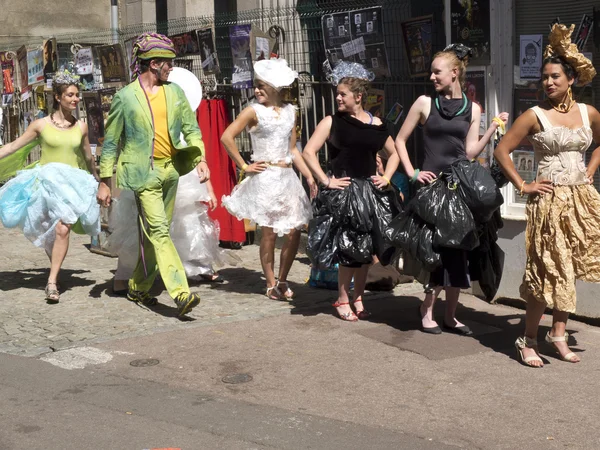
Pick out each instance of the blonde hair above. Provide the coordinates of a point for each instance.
(358, 86)
(455, 61)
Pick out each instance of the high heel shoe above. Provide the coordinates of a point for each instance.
(347, 316)
(525, 342)
(364, 314)
(569, 357)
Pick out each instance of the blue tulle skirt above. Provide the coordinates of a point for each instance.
(36, 199)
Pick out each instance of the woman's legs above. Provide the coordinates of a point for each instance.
(59, 250)
(267, 255)
(452, 294)
(345, 275)
(360, 281)
(427, 320)
(559, 325)
(533, 315)
(288, 254)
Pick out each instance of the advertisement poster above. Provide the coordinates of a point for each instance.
(35, 66)
(8, 70)
(356, 36)
(187, 64)
(523, 100)
(417, 42)
(22, 61)
(186, 44)
(525, 164)
(530, 61)
(95, 117)
(106, 97)
(239, 37)
(395, 113)
(50, 58)
(583, 31)
(112, 63)
(128, 51)
(470, 25)
(475, 91)
(208, 55)
(376, 102)
(84, 61)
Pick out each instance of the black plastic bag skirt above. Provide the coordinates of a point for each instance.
(351, 225)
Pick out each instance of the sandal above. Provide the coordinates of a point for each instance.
(569, 357)
(52, 295)
(348, 316)
(364, 314)
(273, 293)
(287, 293)
(525, 342)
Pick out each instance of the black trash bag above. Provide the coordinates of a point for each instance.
(358, 209)
(455, 226)
(415, 238)
(429, 200)
(477, 188)
(386, 206)
(498, 175)
(425, 254)
(321, 246)
(354, 247)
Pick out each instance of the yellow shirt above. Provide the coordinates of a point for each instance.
(163, 148)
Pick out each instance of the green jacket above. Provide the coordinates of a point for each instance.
(130, 123)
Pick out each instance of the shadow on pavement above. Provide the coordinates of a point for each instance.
(37, 279)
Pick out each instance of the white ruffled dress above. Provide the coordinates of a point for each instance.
(275, 197)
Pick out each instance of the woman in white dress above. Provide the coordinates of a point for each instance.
(271, 195)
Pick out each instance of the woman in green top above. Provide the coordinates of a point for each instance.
(58, 194)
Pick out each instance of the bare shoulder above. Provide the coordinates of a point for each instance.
(476, 108)
(377, 121)
(593, 113)
(424, 101)
(38, 124)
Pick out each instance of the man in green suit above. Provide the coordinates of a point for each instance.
(147, 119)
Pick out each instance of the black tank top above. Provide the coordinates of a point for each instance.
(444, 138)
(353, 146)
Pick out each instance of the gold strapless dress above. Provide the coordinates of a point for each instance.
(562, 237)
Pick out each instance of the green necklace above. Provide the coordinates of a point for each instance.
(460, 111)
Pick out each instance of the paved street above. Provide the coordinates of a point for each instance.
(98, 372)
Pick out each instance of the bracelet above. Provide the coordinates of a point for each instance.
(244, 167)
(500, 123)
(521, 190)
(386, 179)
(415, 175)
(328, 182)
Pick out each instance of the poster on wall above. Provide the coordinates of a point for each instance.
(356, 36)
(128, 50)
(239, 37)
(8, 69)
(112, 63)
(418, 44)
(475, 91)
(35, 66)
(530, 60)
(106, 98)
(187, 64)
(95, 117)
(84, 61)
(470, 25)
(50, 58)
(186, 44)
(208, 55)
(523, 100)
(376, 102)
(583, 31)
(22, 61)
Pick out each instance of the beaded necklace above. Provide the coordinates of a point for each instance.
(57, 125)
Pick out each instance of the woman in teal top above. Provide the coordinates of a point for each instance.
(58, 194)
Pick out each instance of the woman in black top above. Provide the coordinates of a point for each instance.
(450, 133)
(356, 205)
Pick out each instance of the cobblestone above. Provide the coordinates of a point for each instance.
(88, 311)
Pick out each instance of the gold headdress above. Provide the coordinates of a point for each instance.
(560, 45)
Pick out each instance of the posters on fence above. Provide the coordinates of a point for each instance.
(239, 37)
(524, 99)
(187, 64)
(112, 63)
(22, 61)
(395, 113)
(95, 117)
(470, 25)
(50, 58)
(84, 61)
(35, 66)
(186, 44)
(8, 69)
(106, 98)
(208, 55)
(376, 102)
(475, 91)
(530, 60)
(356, 36)
(417, 42)
(583, 31)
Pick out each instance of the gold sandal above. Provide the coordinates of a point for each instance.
(525, 342)
(52, 295)
(569, 357)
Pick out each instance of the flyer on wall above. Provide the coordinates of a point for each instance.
(186, 44)
(35, 66)
(186, 64)
(475, 91)
(530, 61)
(208, 55)
(8, 70)
(106, 98)
(95, 117)
(239, 37)
(470, 25)
(376, 102)
(112, 63)
(22, 61)
(524, 99)
(50, 57)
(418, 44)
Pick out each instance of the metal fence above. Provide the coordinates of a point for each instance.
(301, 44)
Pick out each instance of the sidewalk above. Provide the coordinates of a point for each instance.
(307, 366)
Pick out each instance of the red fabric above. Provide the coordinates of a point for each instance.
(213, 120)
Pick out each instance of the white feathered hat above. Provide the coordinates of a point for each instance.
(275, 72)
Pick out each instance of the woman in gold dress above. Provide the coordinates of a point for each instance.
(563, 208)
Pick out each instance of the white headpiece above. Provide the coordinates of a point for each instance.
(275, 72)
(349, 70)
